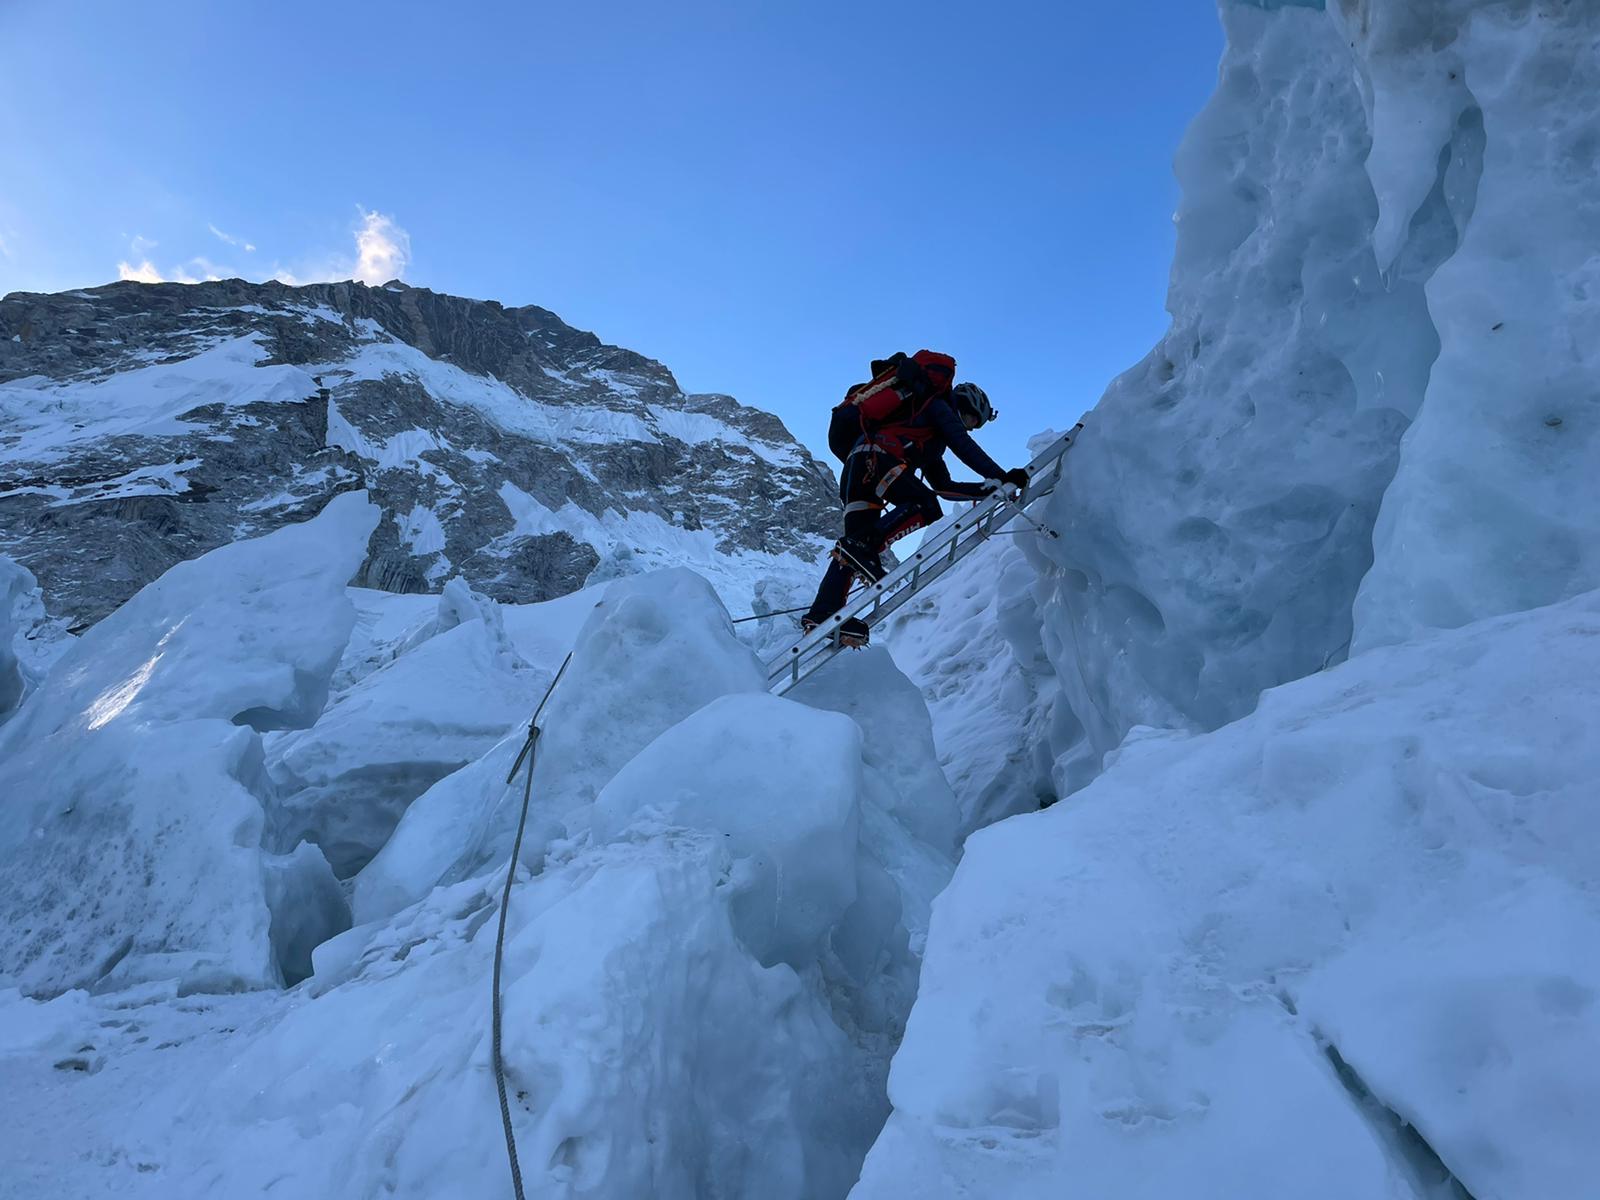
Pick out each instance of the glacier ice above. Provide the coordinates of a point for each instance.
(975, 648)
(1371, 413)
(1217, 511)
(345, 782)
(132, 778)
(793, 870)
(15, 582)
(630, 679)
(1343, 944)
(708, 962)
(1494, 506)
(1393, 862)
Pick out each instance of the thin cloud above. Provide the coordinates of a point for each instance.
(247, 247)
(140, 246)
(383, 249)
(5, 247)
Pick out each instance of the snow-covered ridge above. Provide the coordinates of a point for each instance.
(175, 418)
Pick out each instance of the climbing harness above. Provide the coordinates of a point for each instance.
(942, 547)
(527, 752)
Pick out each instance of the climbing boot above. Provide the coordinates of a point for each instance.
(857, 556)
(853, 633)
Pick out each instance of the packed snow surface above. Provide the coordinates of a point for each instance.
(1245, 963)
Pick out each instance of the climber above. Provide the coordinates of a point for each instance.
(885, 432)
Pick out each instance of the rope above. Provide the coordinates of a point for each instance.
(782, 612)
(528, 752)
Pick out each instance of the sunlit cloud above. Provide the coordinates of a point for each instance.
(383, 249)
(382, 252)
(247, 247)
(196, 270)
(145, 272)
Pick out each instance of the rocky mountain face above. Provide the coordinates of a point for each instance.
(142, 425)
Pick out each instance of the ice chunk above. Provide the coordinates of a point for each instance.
(781, 783)
(871, 690)
(908, 813)
(130, 781)
(226, 636)
(648, 1054)
(653, 650)
(15, 581)
(345, 782)
(308, 907)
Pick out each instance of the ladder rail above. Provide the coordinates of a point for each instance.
(944, 545)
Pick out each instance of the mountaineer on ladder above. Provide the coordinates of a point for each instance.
(886, 430)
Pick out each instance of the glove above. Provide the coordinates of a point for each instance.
(1016, 477)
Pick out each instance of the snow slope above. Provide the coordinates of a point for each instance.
(1187, 979)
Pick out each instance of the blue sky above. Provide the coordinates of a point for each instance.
(762, 196)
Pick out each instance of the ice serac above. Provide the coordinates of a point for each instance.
(1494, 506)
(131, 782)
(655, 648)
(1218, 511)
(1346, 946)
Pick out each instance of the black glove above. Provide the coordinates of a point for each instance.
(1016, 477)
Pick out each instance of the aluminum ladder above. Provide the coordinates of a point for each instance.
(946, 544)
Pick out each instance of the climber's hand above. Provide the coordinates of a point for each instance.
(1017, 478)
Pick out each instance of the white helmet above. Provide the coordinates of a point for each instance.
(970, 400)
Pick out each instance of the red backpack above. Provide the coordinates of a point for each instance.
(898, 391)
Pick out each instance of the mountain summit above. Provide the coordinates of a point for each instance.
(142, 425)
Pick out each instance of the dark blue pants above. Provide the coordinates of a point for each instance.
(883, 501)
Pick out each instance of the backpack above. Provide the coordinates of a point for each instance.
(900, 388)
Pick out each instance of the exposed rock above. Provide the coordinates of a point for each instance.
(142, 425)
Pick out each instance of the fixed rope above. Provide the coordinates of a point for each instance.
(782, 612)
(529, 752)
